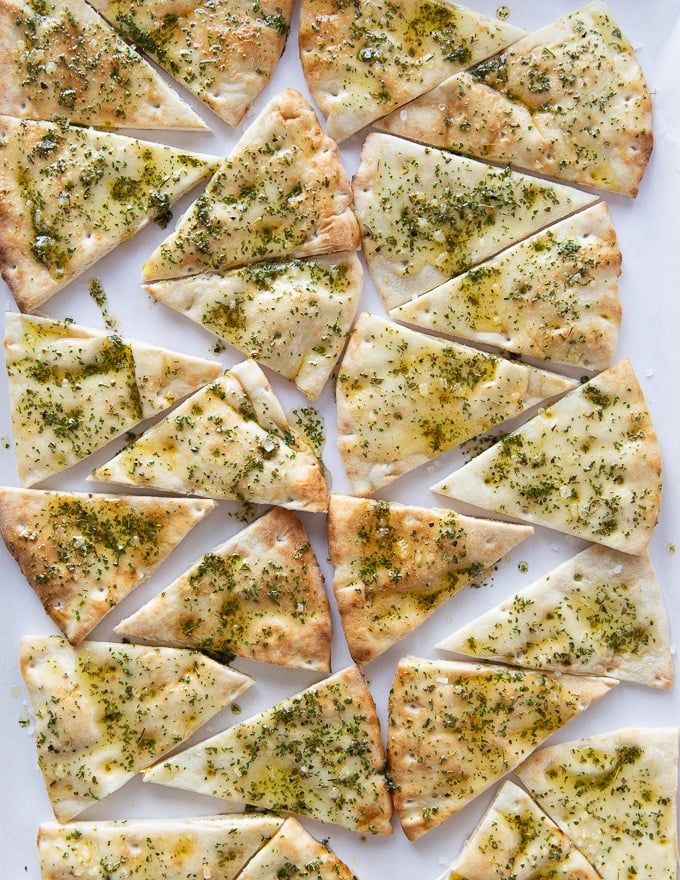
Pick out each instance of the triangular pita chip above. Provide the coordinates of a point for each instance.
(292, 316)
(455, 728)
(64, 61)
(104, 711)
(225, 51)
(72, 389)
(404, 397)
(151, 849)
(281, 193)
(71, 195)
(83, 553)
(600, 613)
(230, 440)
(615, 795)
(568, 101)
(427, 215)
(553, 296)
(515, 838)
(258, 595)
(588, 465)
(362, 60)
(395, 564)
(318, 753)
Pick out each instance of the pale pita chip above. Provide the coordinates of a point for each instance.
(427, 215)
(281, 193)
(153, 849)
(70, 195)
(230, 440)
(405, 397)
(318, 754)
(395, 564)
(83, 553)
(224, 51)
(72, 389)
(615, 795)
(292, 316)
(588, 465)
(552, 297)
(568, 101)
(64, 61)
(105, 711)
(455, 728)
(599, 613)
(362, 60)
(258, 595)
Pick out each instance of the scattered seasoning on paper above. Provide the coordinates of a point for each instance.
(503, 12)
(98, 294)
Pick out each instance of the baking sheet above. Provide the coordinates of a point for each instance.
(648, 234)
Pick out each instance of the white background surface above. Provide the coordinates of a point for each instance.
(649, 236)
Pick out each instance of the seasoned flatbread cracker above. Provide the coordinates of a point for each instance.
(588, 465)
(104, 711)
(395, 564)
(281, 193)
(405, 397)
(455, 728)
(318, 754)
(83, 553)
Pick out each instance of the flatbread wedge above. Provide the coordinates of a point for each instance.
(258, 595)
(588, 465)
(615, 795)
(599, 613)
(427, 215)
(362, 60)
(318, 754)
(568, 101)
(225, 52)
(150, 849)
(71, 195)
(65, 61)
(552, 297)
(230, 440)
(72, 389)
(405, 397)
(83, 553)
(281, 193)
(105, 711)
(292, 316)
(395, 564)
(456, 728)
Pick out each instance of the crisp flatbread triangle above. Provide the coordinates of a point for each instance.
(258, 595)
(515, 838)
(553, 296)
(318, 754)
(293, 316)
(615, 795)
(281, 193)
(588, 465)
(230, 440)
(153, 849)
(72, 389)
(599, 613)
(63, 60)
(395, 564)
(70, 195)
(455, 728)
(427, 215)
(568, 101)
(362, 60)
(224, 52)
(404, 397)
(83, 553)
(104, 711)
